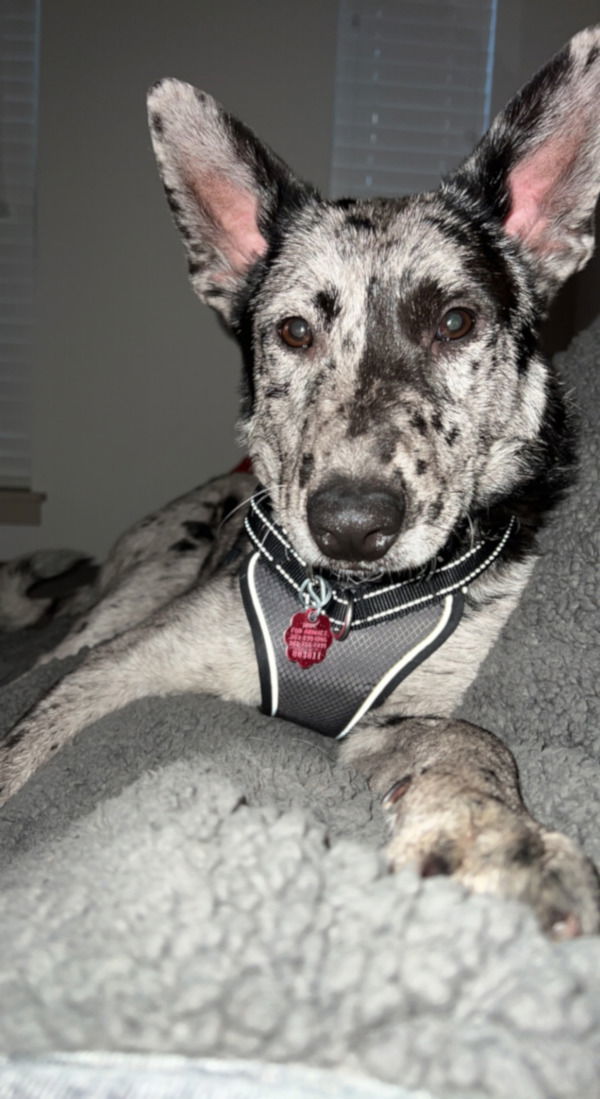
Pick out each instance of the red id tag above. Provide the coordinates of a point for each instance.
(307, 641)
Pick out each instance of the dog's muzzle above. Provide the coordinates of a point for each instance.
(354, 520)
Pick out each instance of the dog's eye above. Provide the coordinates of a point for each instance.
(296, 332)
(455, 324)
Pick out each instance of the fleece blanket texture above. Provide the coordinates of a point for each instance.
(193, 878)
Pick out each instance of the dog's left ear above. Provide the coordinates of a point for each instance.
(538, 167)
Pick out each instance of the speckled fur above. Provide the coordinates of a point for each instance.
(467, 431)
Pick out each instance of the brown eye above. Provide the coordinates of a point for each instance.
(455, 324)
(296, 332)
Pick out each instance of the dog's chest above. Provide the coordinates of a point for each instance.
(310, 677)
(410, 646)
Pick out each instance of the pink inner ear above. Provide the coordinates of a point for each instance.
(235, 212)
(537, 186)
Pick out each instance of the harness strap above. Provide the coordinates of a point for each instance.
(356, 675)
(414, 615)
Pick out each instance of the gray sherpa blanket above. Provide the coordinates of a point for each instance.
(191, 878)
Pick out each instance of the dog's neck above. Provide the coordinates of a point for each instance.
(356, 602)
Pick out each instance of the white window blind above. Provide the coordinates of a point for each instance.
(19, 20)
(412, 95)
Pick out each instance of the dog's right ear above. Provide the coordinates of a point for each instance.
(227, 191)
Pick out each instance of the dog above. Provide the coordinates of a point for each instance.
(407, 441)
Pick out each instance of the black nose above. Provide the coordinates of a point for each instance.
(351, 521)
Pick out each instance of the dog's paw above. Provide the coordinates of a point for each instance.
(492, 848)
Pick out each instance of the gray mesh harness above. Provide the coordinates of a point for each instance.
(388, 628)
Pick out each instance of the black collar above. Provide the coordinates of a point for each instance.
(367, 602)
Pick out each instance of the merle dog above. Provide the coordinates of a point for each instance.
(408, 439)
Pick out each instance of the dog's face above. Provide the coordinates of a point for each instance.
(393, 385)
(386, 358)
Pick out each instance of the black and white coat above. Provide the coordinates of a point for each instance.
(397, 408)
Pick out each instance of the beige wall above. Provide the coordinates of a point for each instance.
(135, 390)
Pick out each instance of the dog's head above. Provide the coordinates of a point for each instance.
(393, 387)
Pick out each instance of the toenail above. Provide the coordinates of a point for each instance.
(396, 791)
(565, 927)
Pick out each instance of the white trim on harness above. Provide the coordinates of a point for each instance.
(396, 668)
(272, 662)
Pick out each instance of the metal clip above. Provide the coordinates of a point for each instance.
(315, 593)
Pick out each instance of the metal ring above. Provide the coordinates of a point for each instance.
(344, 630)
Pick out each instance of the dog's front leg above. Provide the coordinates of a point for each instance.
(452, 794)
(200, 643)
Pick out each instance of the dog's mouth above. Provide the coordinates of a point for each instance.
(392, 566)
(415, 556)
(412, 555)
(364, 531)
(415, 553)
(345, 575)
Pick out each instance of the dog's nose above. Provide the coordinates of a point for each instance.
(351, 521)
